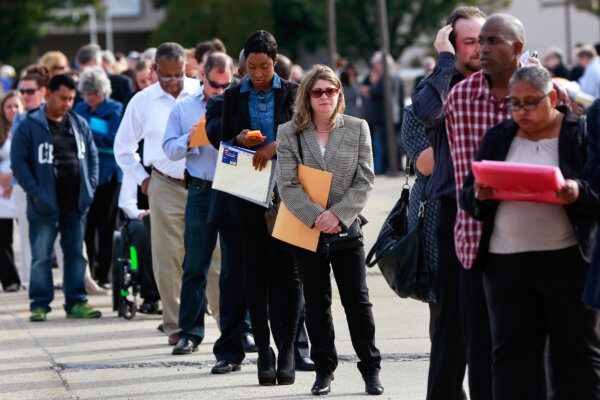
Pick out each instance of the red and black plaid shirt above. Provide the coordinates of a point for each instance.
(471, 109)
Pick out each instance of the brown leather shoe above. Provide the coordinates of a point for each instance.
(173, 339)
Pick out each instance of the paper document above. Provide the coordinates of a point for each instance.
(288, 228)
(520, 182)
(236, 175)
(199, 138)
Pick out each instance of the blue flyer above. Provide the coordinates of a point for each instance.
(230, 157)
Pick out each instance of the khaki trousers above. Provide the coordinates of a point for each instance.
(167, 222)
(212, 284)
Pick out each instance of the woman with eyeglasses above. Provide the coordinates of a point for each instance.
(11, 104)
(321, 137)
(535, 256)
(32, 86)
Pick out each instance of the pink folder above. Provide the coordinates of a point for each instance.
(520, 182)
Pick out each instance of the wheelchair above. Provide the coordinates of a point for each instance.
(125, 275)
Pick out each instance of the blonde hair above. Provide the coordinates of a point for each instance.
(302, 118)
(5, 124)
(51, 59)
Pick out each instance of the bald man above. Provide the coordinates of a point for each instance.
(473, 106)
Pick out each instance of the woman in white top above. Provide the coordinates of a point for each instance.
(11, 104)
(535, 256)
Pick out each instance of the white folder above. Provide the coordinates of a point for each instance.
(236, 175)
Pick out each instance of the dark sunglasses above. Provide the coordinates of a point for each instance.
(330, 92)
(28, 91)
(215, 85)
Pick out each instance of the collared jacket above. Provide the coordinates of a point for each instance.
(348, 157)
(582, 213)
(428, 100)
(32, 164)
(236, 114)
(104, 123)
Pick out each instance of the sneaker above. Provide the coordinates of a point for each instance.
(38, 315)
(83, 310)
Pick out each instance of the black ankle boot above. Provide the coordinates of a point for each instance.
(322, 385)
(286, 372)
(266, 369)
(372, 384)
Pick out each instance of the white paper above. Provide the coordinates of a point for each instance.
(236, 175)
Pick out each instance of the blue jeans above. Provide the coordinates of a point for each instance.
(42, 235)
(199, 240)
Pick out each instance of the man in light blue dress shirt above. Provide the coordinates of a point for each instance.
(200, 236)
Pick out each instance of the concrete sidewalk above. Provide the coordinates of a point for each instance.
(112, 358)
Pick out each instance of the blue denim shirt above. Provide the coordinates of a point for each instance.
(261, 105)
(199, 161)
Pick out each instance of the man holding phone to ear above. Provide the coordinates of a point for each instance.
(458, 57)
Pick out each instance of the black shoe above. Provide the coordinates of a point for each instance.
(321, 386)
(105, 285)
(248, 343)
(266, 369)
(149, 307)
(160, 328)
(184, 346)
(225, 367)
(304, 364)
(12, 287)
(286, 376)
(372, 385)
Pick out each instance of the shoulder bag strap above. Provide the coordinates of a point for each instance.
(300, 147)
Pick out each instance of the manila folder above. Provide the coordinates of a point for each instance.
(200, 138)
(288, 228)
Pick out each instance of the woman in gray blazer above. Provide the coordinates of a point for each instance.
(339, 144)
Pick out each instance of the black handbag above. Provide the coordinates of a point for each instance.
(346, 238)
(400, 254)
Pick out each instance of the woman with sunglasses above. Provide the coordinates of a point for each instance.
(535, 256)
(321, 137)
(263, 101)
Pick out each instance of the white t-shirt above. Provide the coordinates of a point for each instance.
(522, 226)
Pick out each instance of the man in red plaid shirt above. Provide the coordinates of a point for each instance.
(475, 105)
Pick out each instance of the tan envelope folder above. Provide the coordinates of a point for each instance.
(288, 228)
(199, 138)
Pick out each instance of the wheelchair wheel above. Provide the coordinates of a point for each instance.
(117, 269)
(127, 309)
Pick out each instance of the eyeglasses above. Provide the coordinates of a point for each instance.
(165, 79)
(514, 107)
(28, 91)
(216, 85)
(330, 92)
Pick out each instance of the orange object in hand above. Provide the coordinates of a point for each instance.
(255, 134)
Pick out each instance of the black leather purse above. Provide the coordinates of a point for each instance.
(400, 254)
(346, 238)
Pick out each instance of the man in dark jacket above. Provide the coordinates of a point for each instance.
(54, 158)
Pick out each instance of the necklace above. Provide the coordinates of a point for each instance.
(320, 131)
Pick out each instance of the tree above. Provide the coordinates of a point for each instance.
(24, 22)
(189, 22)
(592, 6)
(408, 20)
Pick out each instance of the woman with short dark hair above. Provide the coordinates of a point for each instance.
(535, 256)
(263, 101)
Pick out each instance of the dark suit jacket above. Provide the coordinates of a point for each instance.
(571, 160)
(236, 115)
(223, 209)
(122, 88)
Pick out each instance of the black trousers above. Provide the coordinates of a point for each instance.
(101, 221)
(350, 275)
(8, 270)
(533, 296)
(232, 302)
(139, 239)
(262, 252)
(448, 358)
